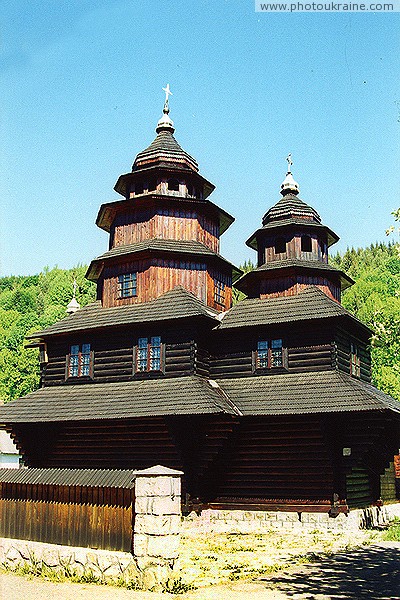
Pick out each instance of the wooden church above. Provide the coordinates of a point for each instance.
(265, 404)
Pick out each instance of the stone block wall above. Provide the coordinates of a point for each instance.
(240, 521)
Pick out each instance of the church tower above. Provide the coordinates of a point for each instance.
(292, 247)
(165, 232)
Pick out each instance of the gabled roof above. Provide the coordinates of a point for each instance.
(177, 303)
(188, 247)
(311, 303)
(190, 395)
(302, 393)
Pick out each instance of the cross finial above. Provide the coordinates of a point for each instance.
(167, 94)
(289, 162)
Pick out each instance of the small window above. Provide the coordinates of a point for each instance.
(355, 362)
(127, 285)
(306, 244)
(173, 185)
(219, 292)
(148, 354)
(139, 187)
(43, 357)
(79, 362)
(280, 245)
(269, 354)
(152, 185)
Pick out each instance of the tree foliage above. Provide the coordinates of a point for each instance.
(28, 304)
(375, 300)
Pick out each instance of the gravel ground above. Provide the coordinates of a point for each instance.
(371, 573)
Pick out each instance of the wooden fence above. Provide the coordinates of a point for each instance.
(74, 515)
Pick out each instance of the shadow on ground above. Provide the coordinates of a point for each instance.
(372, 572)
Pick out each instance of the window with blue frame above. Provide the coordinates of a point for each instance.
(269, 354)
(127, 285)
(148, 354)
(219, 292)
(79, 361)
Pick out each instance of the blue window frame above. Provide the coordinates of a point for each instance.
(79, 361)
(127, 285)
(219, 292)
(148, 354)
(269, 354)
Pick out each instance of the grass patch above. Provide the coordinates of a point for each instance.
(393, 533)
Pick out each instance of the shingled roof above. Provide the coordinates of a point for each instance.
(190, 395)
(181, 247)
(283, 394)
(165, 151)
(301, 393)
(294, 263)
(311, 303)
(291, 207)
(177, 303)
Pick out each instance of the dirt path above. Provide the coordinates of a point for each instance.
(371, 573)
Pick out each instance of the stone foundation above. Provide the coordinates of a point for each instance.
(101, 564)
(240, 521)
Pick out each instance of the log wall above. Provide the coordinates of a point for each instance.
(282, 458)
(113, 355)
(343, 340)
(310, 350)
(157, 276)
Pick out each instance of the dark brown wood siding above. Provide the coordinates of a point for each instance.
(308, 349)
(293, 248)
(291, 285)
(343, 340)
(274, 458)
(90, 517)
(113, 354)
(172, 223)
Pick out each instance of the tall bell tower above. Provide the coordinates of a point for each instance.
(165, 231)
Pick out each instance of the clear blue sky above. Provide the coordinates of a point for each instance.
(81, 94)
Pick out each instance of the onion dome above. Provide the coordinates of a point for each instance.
(289, 185)
(74, 305)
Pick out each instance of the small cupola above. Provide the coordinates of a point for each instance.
(289, 185)
(74, 305)
(166, 123)
(292, 248)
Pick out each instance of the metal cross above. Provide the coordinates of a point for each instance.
(167, 93)
(289, 161)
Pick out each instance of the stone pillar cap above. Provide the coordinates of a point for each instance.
(157, 470)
